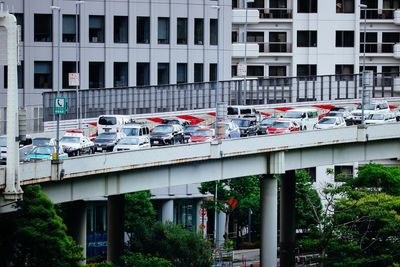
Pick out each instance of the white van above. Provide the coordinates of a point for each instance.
(235, 112)
(142, 131)
(306, 118)
(111, 123)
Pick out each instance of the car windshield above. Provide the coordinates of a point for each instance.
(327, 121)
(129, 141)
(3, 141)
(69, 139)
(267, 121)
(281, 124)
(130, 131)
(43, 150)
(376, 117)
(335, 114)
(106, 136)
(163, 129)
(367, 107)
(191, 129)
(104, 120)
(242, 123)
(41, 141)
(293, 114)
(206, 133)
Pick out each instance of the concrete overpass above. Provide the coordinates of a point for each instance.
(114, 174)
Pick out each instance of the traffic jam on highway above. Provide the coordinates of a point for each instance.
(121, 133)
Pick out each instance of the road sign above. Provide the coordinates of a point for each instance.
(60, 105)
(202, 226)
(241, 70)
(73, 79)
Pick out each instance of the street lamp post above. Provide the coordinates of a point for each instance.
(58, 77)
(77, 71)
(364, 7)
(218, 8)
(245, 50)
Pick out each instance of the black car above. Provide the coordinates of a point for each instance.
(107, 141)
(166, 134)
(247, 126)
(265, 124)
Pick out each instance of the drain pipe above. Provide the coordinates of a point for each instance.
(13, 189)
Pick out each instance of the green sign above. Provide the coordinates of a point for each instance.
(60, 105)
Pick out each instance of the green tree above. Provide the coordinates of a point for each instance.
(245, 190)
(140, 217)
(40, 237)
(138, 259)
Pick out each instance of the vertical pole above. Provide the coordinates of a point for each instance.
(13, 189)
(115, 227)
(363, 74)
(245, 53)
(216, 215)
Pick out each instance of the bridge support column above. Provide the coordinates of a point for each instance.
(269, 220)
(77, 223)
(115, 229)
(269, 210)
(168, 211)
(287, 219)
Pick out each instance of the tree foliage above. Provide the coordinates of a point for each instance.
(40, 237)
(360, 223)
(138, 259)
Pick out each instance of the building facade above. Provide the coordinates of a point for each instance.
(118, 44)
(287, 38)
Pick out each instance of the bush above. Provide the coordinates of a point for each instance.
(101, 264)
(138, 259)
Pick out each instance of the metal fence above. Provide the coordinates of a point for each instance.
(151, 99)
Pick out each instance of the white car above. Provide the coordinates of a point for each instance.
(372, 108)
(330, 122)
(131, 143)
(306, 118)
(3, 149)
(74, 143)
(380, 118)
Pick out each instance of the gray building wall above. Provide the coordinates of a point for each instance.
(131, 52)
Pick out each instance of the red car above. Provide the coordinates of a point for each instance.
(283, 126)
(202, 135)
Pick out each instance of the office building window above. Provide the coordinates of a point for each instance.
(344, 72)
(43, 28)
(307, 6)
(67, 68)
(278, 42)
(69, 28)
(163, 30)
(255, 4)
(277, 71)
(181, 73)
(120, 29)
(343, 173)
(198, 73)
(142, 73)
(393, 70)
(344, 38)
(20, 73)
(96, 74)
(213, 72)
(371, 44)
(120, 74)
(143, 30)
(255, 71)
(344, 6)
(235, 38)
(234, 70)
(304, 70)
(96, 29)
(306, 38)
(20, 22)
(163, 73)
(198, 31)
(213, 31)
(388, 40)
(43, 74)
(181, 31)
(235, 4)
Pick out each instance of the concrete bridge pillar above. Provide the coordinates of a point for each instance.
(167, 212)
(115, 229)
(269, 210)
(77, 224)
(287, 219)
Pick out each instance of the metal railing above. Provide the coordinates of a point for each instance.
(275, 47)
(377, 47)
(275, 13)
(376, 13)
(154, 99)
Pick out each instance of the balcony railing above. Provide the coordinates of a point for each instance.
(377, 47)
(375, 13)
(275, 47)
(275, 13)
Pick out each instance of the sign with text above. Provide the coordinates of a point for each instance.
(241, 70)
(60, 105)
(73, 79)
